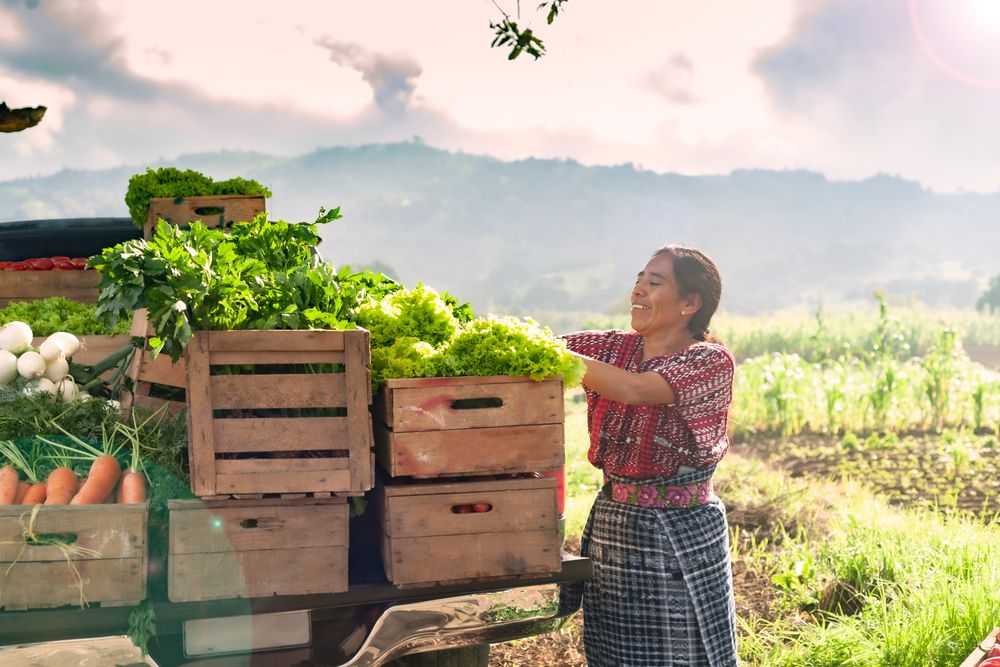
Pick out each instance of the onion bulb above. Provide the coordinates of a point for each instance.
(15, 337)
(57, 369)
(8, 367)
(48, 386)
(51, 350)
(67, 341)
(68, 390)
(31, 366)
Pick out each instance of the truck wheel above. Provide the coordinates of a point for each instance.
(467, 656)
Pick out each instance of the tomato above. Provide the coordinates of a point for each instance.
(482, 507)
(461, 509)
(4, 265)
(40, 264)
(79, 262)
(64, 265)
(56, 258)
(18, 266)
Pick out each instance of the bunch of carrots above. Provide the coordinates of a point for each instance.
(62, 486)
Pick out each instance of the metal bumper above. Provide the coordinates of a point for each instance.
(465, 620)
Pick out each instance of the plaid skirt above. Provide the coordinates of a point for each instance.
(662, 589)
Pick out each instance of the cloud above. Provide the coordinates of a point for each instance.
(392, 78)
(674, 80)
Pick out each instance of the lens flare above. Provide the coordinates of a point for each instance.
(985, 14)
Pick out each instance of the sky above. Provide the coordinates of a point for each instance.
(848, 88)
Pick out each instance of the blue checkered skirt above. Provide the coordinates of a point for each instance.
(662, 589)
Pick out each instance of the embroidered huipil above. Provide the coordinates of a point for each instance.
(658, 441)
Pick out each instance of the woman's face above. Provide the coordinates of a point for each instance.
(657, 305)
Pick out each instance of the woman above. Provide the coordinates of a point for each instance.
(657, 406)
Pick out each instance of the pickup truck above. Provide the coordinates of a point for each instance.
(373, 623)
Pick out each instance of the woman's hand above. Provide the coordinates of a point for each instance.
(624, 386)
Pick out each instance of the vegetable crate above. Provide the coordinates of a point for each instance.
(72, 554)
(279, 412)
(155, 382)
(215, 210)
(32, 285)
(987, 647)
(437, 532)
(256, 548)
(434, 427)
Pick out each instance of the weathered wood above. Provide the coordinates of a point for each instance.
(359, 430)
(461, 381)
(478, 451)
(33, 285)
(280, 434)
(111, 570)
(312, 340)
(184, 210)
(281, 357)
(283, 481)
(257, 548)
(161, 370)
(425, 540)
(201, 434)
(433, 407)
(276, 465)
(235, 392)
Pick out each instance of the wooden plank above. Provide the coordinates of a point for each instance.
(451, 557)
(284, 482)
(234, 392)
(288, 357)
(482, 451)
(280, 465)
(512, 511)
(140, 323)
(257, 527)
(359, 421)
(431, 408)
(30, 584)
(313, 340)
(477, 486)
(47, 283)
(222, 575)
(280, 434)
(462, 381)
(113, 531)
(201, 433)
(162, 370)
(153, 404)
(184, 210)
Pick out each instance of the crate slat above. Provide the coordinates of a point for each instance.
(33, 285)
(256, 466)
(287, 357)
(183, 210)
(312, 340)
(478, 451)
(431, 515)
(279, 434)
(162, 370)
(236, 392)
(201, 431)
(284, 481)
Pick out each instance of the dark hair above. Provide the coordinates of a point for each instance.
(695, 272)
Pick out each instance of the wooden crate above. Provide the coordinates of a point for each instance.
(425, 541)
(434, 427)
(241, 437)
(214, 211)
(979, 653)
(33, 285)
(112, 572)
(256, 548)
(155, 382)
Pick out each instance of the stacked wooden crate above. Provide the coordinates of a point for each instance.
(279, 432)
(33, 285)
(464, 499)
(214, 211)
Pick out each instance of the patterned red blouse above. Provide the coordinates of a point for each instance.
(655, 441)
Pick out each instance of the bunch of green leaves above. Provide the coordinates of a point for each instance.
(405, 358)
(172, 182)
(47, 316)
(28, 415)
(419, 313)
(510, 346)
(264, 275)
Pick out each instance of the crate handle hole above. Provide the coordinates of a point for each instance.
(209, 210)
(472, 508)
(248, 523)
(477, 403)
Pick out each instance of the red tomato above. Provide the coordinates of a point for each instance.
(56, 258)
(482, 507)
(461, 509)
(80, 262)
(4, 265)
(18, 266)
(40, 264)
(65, 265)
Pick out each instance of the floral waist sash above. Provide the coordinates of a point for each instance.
(661, 495)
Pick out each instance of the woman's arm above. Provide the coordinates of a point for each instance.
(624, 386)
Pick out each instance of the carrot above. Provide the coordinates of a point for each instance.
(35, 495)
(132, 488)
(60, 486)
(22, 489)
(100, 482)
(8, 485)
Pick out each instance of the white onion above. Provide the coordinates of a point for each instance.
(67, 341)
(51, 350)
(48, 386)
(8, 367)
(68, 390)
(15, 337)
(31, 365)
(57, 369)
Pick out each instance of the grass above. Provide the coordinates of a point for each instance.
(828, 573)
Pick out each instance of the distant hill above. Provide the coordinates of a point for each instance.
(555, 235)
